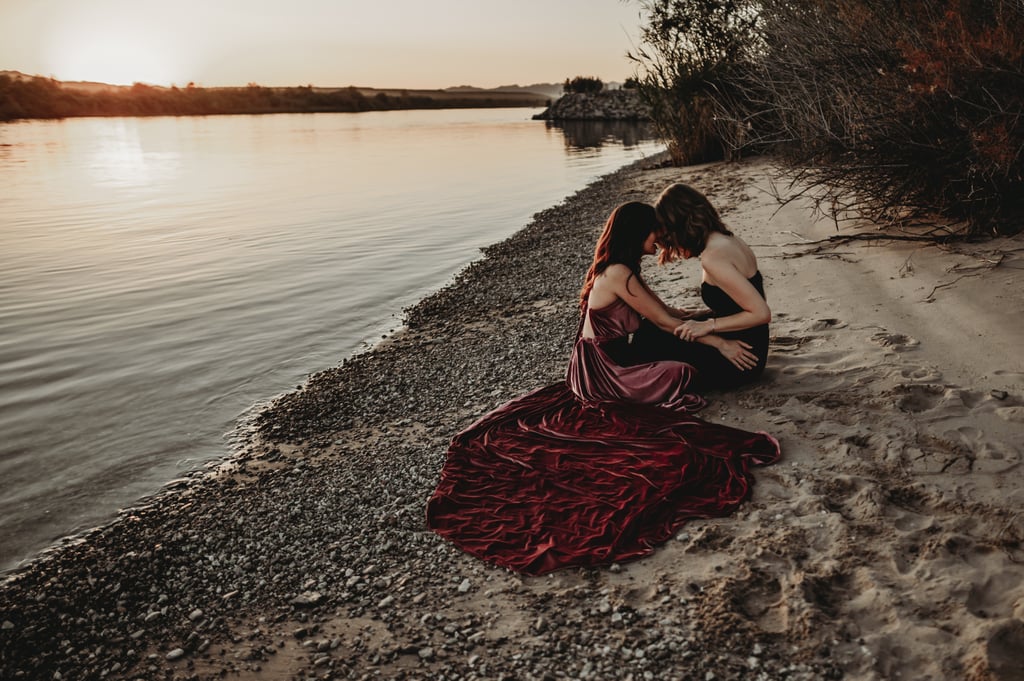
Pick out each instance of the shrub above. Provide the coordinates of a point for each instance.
(894, 109)
(583, 85)
(888, 109)
(691, 50)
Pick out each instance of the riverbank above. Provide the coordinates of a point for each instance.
(31, 97)
(886, 544)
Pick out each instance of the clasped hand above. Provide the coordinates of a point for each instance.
(691, 329)
(738, 352)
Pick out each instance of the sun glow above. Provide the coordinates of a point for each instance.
(396, 44)
(115, 53)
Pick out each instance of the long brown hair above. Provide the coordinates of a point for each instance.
(621, 242)
(685, 221)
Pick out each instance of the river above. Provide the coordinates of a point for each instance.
(160, 278)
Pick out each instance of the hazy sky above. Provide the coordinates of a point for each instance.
(374, 43)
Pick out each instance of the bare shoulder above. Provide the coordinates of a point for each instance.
(619, 280)
(617, 272)
(726, 255)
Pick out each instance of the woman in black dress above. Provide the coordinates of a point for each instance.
(731, 287)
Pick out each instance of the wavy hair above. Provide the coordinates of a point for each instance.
(685, 221)
(621, 242)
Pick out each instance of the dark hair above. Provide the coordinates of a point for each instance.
(685, 220)
(621, 242)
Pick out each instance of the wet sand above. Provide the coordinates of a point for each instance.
(885, 545)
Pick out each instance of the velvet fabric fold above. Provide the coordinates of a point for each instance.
(595, 376)
(547, 481)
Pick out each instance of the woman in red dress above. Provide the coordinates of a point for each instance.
(609, 463)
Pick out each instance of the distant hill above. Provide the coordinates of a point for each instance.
(79, 85)
(549, 90)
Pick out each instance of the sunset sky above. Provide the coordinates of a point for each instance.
(372, 43)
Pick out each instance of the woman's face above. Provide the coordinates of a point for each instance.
(651, 245)
(660, 243)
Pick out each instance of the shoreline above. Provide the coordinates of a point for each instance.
(885, 542)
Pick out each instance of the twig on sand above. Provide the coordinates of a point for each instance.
(968, 271)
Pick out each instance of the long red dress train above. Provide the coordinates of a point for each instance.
(546, 482)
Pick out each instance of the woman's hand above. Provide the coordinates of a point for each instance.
(691, 330)
(739, 353)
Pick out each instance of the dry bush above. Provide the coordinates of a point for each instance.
(690, 50)
(892, 109)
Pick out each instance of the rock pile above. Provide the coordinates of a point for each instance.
(609, 105)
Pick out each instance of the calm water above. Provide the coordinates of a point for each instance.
(159, 277)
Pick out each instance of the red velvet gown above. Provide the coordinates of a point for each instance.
(598, 469)
(594, 376)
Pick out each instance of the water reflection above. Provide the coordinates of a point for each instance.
(594, 134)
(122, 158)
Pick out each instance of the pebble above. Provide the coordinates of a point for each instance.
(464, 586)
(307, 599)
(426, 653)
(175, 654)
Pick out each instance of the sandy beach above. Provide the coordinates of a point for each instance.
(886, 544)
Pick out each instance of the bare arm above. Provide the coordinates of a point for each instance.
(619, 280)
(755, 310)
(683, 313)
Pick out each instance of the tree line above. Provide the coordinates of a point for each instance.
(37, 97)
(887, 109)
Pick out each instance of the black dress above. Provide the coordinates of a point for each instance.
(713, 370)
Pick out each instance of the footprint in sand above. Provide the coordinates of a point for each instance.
(760, 599)
(1011, 414)
(823, 324)
(854, 498)
(896, 341)
(827, 593)
(906, 555)
(1012, 375)
(788, 343)
(1003, 651)
(995, 596)
(989, 456)
(917, 398)
(928, 374)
